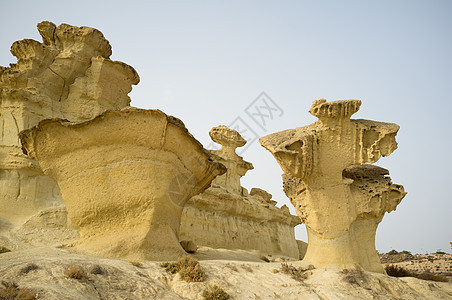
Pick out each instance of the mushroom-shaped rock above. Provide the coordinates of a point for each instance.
(236, 166)
(70, 76)
(226, 216)
(337, 195)
(125, 177)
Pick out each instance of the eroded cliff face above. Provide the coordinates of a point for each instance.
(70, 76)
(125, 177)
(227, 216)
(339, 197)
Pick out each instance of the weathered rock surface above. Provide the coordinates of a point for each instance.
(337, 195)
(226, 216)
(118, 279)
(70, 76)
(125, 177)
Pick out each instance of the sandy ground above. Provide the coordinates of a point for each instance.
(241, 274)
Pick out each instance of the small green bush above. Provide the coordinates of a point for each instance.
(393, 252)
(440, 252)
(405, 252)
(215, 293)
(12, 292)
(187, 267)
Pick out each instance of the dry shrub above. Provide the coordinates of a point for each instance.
(12, 292)
(4, 249)
(215, 293)
(28, 268)
(76, 272)
(396, 271)
(298, 274)
(187, 267)
(247, 268)
(265, 258)
(232, 267)
(97, 270)
(136, 264)
(354, 276)
(430, 276)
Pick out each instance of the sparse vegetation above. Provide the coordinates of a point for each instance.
(440, 252)
(215, 293)
(136, 264)
(354, 276)
(406, 252)
(187, 267)
(247, 268)
(12, 292)
(393, 252)
(76, 272)
(298, 274)
(396, 271)
(232, 267)
(28, 268)
(97, 270)
(4, 250)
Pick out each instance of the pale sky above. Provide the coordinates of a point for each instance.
(205, 62)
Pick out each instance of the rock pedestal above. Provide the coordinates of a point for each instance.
(125, 177)
(69, 76)
(227, 216)
(339, 197)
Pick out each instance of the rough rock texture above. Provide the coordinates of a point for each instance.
(435, 263)
(337, 195)
(118, 279)
(125, 177)
(226, 216)
(70, 76)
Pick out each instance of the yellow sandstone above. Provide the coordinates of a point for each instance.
(125, 177)
(339, 197)
(227, 216)
(70, 76)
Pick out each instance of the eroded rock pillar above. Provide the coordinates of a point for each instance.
(125, 177)
(339, 197)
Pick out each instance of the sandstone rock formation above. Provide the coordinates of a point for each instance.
(125, 177)
(339, 197)
(70, 76)
(226, 216)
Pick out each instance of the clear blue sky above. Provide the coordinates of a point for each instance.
(206, 61)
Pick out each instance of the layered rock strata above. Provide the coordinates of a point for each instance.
(70, 76)
(227, 216)
(339, 197)
(125, 177)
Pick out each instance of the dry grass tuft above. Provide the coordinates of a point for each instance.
(355, 276)
(215, 293)
(4, 249)
(395, 271)
(232, 267)
(187, 267)
(265, 258)
(28, 268)
(247, 268)
(76, 272)
(136, 264)
(298, 274)
(12, 292)
(97, 270)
